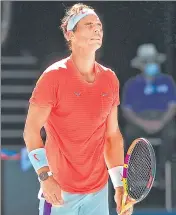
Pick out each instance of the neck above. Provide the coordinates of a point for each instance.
(84, 61)
(149, 78)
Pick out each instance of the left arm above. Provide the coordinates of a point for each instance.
(114, 157)
(114, 149)
(114, 154)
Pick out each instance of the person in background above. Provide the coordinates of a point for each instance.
(149, 103)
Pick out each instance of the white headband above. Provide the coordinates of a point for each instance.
(76, 18)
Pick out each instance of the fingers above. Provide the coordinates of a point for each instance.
(52, 192)
(118, 198)
(54, 199)
(58, 196)
(123, 202)
(48, 198)
(130, 210)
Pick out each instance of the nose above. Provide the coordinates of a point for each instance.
(97, 29)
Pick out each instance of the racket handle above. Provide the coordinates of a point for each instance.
(126, 207)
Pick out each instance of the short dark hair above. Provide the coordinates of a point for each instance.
(75, 9)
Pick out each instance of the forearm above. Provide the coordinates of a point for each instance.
(34, 141)
(114, 150)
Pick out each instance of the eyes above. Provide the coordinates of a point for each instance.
(91, 25)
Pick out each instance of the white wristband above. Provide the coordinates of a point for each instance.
(116, 175)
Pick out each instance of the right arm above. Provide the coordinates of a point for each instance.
(44, 97)
(36, 118)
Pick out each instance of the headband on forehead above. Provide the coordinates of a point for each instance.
(76, 18)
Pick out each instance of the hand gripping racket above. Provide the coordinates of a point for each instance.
(138, 173)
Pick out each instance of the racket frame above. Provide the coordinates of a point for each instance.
(125, 174)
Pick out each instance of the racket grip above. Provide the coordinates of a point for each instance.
(126, 207)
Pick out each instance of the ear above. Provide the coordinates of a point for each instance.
(69, 35)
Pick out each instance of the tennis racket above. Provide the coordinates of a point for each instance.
(138, 173)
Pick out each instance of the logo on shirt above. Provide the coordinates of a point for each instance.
(151, 89)
(104, 94)
(162, 88)
(77, 93)
(35, 157)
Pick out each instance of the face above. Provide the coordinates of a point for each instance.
(88, 34)
(151, 69)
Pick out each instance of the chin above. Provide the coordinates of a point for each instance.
(96, 46)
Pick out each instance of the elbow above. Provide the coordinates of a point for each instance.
(32, 138)
(30, 133)
(115, 141)
(25, 135)
(107, 148)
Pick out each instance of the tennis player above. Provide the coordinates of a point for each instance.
(76, 100)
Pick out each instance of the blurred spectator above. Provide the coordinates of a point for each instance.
(149, 103)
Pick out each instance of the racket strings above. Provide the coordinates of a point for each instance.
(139, 175)
(139, 170)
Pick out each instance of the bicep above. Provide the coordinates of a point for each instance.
(37, 117)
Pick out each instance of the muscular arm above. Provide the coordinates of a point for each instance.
(114, 148)
(36, 118)
(114, 151)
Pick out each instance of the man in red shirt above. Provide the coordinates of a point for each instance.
(76, 101)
